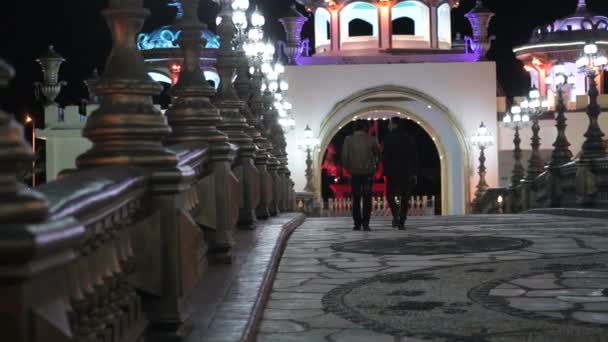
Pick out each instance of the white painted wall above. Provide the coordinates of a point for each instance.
(467, 89)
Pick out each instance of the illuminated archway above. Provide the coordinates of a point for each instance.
(438, 122)
(334, 178)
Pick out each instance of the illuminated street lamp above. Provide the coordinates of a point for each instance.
(561, 153)
(516, 121)
(482, 139)
(308, 143)
(591, 63)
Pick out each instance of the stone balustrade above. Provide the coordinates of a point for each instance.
(115, 249)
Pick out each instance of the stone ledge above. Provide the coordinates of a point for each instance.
(576, 212)
(233, 296)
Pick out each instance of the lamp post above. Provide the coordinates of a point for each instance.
(482, 140)
(516, 121)
(561, 153)
(308, 143)
(30, 119)
(591, 62)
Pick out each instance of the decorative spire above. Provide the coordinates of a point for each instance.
(178, 6)
(582, 5)
(17, 203)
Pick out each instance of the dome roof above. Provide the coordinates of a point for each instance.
(567, 35)
(167, 37)
(581, 25)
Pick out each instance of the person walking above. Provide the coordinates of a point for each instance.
(400, 158)
(359, 155)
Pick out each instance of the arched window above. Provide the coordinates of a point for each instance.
(404, 26)
(360, 28)
(322, 29)
(406, 14)
(444, 26)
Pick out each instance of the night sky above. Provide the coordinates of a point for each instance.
(79, 33)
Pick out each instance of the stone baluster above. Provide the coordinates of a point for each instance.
(293, 23)
(518, 169)
(275, 166)
(233, 123)
(248, 90)
(561, 152)
(194, 118)
(263, 156)
(36, 253)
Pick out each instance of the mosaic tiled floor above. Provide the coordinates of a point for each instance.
(475, 278)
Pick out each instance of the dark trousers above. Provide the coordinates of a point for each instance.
(398, 188)
(362, 187)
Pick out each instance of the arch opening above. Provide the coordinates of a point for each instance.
(359, 26)
(322, 30)
(404, 26)
(419, 13)
(335, 179)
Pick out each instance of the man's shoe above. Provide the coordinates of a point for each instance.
(366, 227)
(401, 226)
(357, 228)
(395, 222)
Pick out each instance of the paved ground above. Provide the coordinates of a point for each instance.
(476, 278)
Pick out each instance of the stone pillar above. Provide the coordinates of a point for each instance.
(275, 164)
(264, 157)
(246, 88)
(233, 123)
(193, 119)
(518, 169)
(536, 165)
(335, 30)
(480, 17)
(293, 23)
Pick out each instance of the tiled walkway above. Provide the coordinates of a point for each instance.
(476, 278)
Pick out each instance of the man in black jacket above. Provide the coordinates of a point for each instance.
(400, 157)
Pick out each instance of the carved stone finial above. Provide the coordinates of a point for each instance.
(50, 62)
(127, 129)
(17, 203)
(480, 17)
(293, 23)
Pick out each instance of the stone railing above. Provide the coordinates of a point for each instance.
(114, 250)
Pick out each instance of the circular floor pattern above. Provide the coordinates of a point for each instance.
(432, 245)
(449, 304)
(577, 295)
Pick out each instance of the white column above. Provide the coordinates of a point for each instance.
(335, 30)
(386, 27)
(434, 28)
